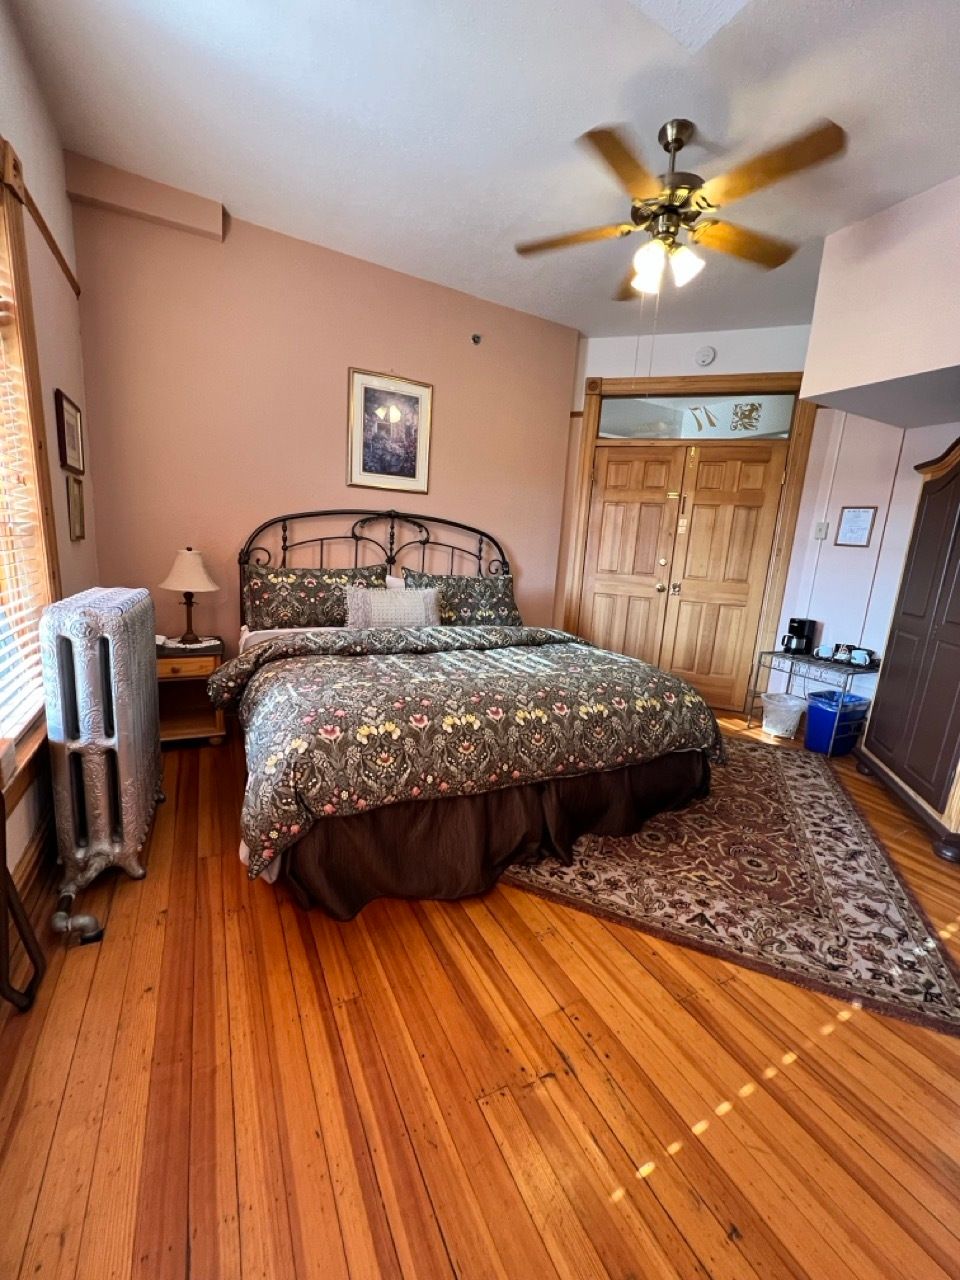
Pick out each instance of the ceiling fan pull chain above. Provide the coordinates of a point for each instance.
(636, 357)
(653, 335)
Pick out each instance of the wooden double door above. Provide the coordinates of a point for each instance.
(679, 542)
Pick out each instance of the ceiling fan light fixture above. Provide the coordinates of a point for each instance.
(685, 265)
(673, 204)
(648, 264)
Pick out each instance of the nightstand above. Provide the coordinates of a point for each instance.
(185, 710)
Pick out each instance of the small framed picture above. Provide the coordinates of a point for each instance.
(855, 527)
(69, 434)
(388, 432)
(75, 515)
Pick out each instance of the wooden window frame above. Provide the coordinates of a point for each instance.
(577, 503)
(13, 198)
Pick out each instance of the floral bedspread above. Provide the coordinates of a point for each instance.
(344, 721)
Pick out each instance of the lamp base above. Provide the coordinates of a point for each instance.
(189, 636)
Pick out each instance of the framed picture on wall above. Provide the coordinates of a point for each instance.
(69, 433)
(388, 432)
(855, 527)
(75, 515)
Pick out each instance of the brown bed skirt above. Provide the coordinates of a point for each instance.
(460, 846)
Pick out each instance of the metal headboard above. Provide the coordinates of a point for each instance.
(390, 533)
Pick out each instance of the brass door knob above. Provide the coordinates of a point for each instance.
(661, 586)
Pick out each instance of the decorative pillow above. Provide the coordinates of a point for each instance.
(391, 608)
(471, 601)
(302, 597)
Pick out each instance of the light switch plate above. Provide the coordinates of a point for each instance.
(821, 529)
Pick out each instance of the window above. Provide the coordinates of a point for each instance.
(705, 417)
(25, 576)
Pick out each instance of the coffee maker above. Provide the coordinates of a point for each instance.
(799, 637)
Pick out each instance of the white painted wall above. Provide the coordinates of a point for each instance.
(885, 336)
(779, 349)
(854, 462)
(920, 444)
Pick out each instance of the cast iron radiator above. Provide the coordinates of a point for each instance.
(100, 686)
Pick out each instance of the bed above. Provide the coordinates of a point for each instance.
(423, 761)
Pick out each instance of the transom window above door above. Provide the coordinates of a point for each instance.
(704, 417)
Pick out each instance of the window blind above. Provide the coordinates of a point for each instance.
(24, 580)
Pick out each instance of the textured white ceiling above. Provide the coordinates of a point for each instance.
(692, 23)
(430, 135)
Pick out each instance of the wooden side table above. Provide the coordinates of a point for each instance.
(185, 710)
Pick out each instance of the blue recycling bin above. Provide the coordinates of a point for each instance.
(824, 710)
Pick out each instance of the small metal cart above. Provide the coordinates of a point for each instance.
(804, 666)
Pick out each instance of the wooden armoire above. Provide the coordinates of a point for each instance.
(913, 738)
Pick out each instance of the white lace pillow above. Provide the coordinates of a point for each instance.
(391, 608)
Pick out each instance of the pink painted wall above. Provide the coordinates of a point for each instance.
(217, 389)
(106, 187)
(57, 316)
(28, 125)
(26, 122)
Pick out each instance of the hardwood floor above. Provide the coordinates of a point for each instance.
(228, 1087)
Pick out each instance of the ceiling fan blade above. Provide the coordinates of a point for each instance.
(752, 246)
(626, 292)
(629, 170)
(816, 145)
(612, 232)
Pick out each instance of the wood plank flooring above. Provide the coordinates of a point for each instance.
(227, 1087)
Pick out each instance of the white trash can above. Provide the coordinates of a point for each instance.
(781, 713)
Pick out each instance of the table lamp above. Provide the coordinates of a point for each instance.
(189, 575)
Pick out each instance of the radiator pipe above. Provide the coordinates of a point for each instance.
(88, 927)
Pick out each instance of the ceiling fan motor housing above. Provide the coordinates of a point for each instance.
(677, 186)
(665, 225)
(675, 134)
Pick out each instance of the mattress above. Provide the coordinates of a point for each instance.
(341, 722)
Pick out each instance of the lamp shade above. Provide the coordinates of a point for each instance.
(188, 573)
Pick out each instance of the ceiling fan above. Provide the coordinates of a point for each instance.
(674, 208)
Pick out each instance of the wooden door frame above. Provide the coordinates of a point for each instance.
(798, 452)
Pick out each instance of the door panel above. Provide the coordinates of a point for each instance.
(633, 515)
(900, 670)
(723, 544)
(927, 767)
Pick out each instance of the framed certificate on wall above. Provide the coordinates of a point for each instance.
(855, 527)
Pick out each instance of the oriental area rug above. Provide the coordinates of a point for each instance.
(775, 870)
